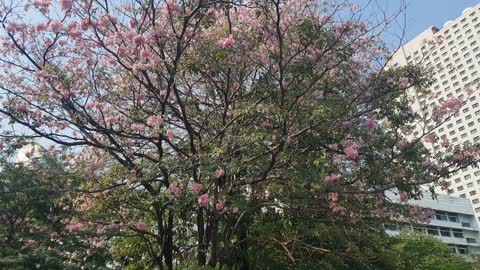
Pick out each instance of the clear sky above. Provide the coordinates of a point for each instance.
(424, 13)
(414, 16)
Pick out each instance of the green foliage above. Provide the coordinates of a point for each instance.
(413, 251)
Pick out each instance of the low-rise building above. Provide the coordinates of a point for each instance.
(453, 222)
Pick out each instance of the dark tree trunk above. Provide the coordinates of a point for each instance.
(168, 241)
(214, 239)
(201, 255)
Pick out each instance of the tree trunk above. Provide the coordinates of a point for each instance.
(201, 255)
(214, 239)
(168, 241)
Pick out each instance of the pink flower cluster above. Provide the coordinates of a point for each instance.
(75, 227)
(219, 172)
(332, 196)
(203, 200)
(196, 187)
(351, 149)
(228, 42)
(155, 121)
(332, 178)
(141, 226)
(448, 107)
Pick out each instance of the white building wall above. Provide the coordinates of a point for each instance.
(457, 66)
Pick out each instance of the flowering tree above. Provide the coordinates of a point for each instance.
(196, 117)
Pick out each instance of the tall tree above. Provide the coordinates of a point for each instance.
(223, 114)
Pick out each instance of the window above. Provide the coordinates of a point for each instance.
(471, 240)
(457, 233)
(452, 217)
(477, 209)
(473, 193)
(475, 201)
(445, 232)
(460, 188)
(463, 195)
(457, 180)
(433, 230)
(468, 176)
(440, 215)
(469, 185)
(462, 250)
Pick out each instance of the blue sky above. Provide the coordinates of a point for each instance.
(424, 13)
(418, 15)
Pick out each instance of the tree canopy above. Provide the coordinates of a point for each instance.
(236, 134)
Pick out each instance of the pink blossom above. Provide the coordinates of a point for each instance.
(333, 147)
(155, 121)
(353, 218)
(196, 187)
(204, 200)
(66, 4)
(144, 53)
(403, 197)
(371, 123)
(136, 127)
(170, 134)
(139, 40)
(333, 196)
(219, 205)
(21, 107)
(351, 152)
(332, 178)
(141, 226)
(175, 190)
(121, 52)
(111, 120)
(75, 227)
(430, 137)
(318, 93)
(235, 210)
(444, 184)
(55, 26)
(265, 124)
(403, 82)
(228, 42)
(445, 143)
(41, 27)
(219, 172)
(89, 252)
(113, 226)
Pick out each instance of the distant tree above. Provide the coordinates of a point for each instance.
(33, 214)
(413, 251)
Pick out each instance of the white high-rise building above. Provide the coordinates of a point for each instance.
(456, 62)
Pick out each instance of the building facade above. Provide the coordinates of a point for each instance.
(453, 222)
(456, 64)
